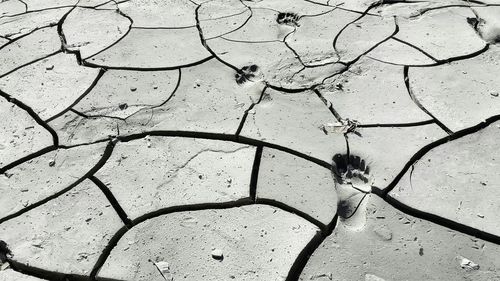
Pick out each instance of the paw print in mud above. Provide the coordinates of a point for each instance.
(246, 73)
(291, 19)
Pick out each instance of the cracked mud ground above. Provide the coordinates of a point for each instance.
(249, 140)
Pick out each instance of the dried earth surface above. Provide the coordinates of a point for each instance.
(266, 140)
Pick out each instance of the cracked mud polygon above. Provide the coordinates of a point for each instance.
(249, 140)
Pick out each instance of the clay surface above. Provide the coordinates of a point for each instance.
(273, 140)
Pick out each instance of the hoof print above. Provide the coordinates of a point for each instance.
(246, 73)
(291, 19)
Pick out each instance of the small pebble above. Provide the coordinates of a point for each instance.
(133, 89)
(123, 106)
(49, 67)
(217, 254)
(494, 94)
(467, 264)
(52, 162)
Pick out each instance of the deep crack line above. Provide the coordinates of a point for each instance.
(84, 94)
(32, 113)
(112, 199)
(417, 102)
(204, 42)
(383, 192)
(210, 206)
(301, 261)
(225, 137)
(106, 154)
(245, 115)
(448, 223)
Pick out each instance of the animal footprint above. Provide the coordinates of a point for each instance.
(353, 185)
(291, 19)
(246, 73)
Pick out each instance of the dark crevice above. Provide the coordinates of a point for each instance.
(462, 228)
(328, 105)
(25, 5)
(204, 43)
(26, 34)
(117, 41)
(457, 58)
(27, 158)
(249, 42)
(304, 256)
(206, 206)
(245, 115)
(45, 274)
(417, 102)
(226, 137)
(32, 113)
(93, 65)
(30, 63)
(417, 156)
(234, 30)
(255, 173)
(399, 125)
(36, 11)
(356, 208)
(111, 198)
(285, 207)
(84, 94)
(149, 107)
(288, 90)
(163, 28)
(416, 48)
(425, 10)
(62, 37)
(100, 163)
(334, 43)
(179, 77)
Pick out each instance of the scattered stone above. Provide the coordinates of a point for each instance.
(494, 94)
(52, 162)
(164, 269)
(133, 89)
(341, 127)
(217, 254)
(372, 277)
(49, 67)
(251, 257)
(383, 232)
(467, 264)
(123, 106)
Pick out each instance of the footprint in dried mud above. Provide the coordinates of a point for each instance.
(353, 184)
(247, 73)
(291, 19)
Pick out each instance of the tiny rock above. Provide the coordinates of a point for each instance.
(164, 269)
(217, 254)
(133, 89)
(383, 232)
(123, 106)
(467, 264)
(371, 277)
(52, 162)
(494, 94)
(49, 67)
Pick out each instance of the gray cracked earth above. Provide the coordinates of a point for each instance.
(249, 140)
